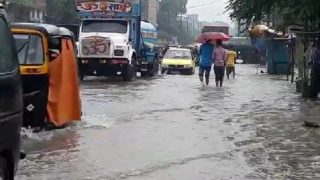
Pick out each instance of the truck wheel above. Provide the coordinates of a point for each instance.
(7, 169)
(81, 77)
(163, 71)
(144, 74)
(156, 67)
(130, 72)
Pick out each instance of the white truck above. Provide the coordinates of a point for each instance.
(110, 40)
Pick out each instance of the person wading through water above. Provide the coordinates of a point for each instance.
(219, 59)
(232, 55)
(205, 64)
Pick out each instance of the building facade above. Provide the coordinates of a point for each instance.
(29, 11)
(150, 11)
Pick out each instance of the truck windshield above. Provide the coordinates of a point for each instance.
(110, 26)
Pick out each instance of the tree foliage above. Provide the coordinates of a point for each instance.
(170, 23)
(304, 12)
(61, 11)
(25, 3)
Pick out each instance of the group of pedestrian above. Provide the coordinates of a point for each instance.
(222, 59)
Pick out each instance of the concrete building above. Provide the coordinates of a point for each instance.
(150, 11)
(30, 11)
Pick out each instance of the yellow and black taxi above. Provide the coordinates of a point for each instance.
(11, 102)
(178, 60)
(49, 72)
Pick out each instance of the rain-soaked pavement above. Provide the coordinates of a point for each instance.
(172, 128)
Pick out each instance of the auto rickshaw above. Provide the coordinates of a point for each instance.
(48, 68)
(10, 102)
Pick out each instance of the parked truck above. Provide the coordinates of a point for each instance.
(111, 41)
(150, 61)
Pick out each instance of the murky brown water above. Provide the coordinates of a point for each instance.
(172, 128)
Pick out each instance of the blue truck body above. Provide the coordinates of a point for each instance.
(149, 39)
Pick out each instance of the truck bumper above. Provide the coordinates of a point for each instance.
(102, 67)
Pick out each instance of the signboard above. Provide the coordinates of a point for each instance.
(146, 34)
(103, 6)
(223, 29)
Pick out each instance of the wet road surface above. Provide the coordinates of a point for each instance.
(172, 128)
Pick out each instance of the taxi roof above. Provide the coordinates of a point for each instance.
(48, 29)
(179, 49)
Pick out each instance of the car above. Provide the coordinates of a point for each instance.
(178, 60)
(239, 61)
(11, 102)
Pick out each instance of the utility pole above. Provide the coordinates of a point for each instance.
(239, 27)
(181, 23)
(187, 25)
(193, 30)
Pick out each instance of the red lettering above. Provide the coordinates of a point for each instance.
(89, 6)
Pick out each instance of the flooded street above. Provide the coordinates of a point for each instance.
(173, 128)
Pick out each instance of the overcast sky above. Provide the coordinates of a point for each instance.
(209, 10)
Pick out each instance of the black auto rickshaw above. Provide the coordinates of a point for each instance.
(49, 73)
(74, 28)
(10, 102)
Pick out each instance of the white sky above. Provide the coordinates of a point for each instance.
(209, 10)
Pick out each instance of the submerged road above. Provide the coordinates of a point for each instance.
(172, 128)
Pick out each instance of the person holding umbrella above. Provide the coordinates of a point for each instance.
(219, 57)
(205, 64)
(208, 56)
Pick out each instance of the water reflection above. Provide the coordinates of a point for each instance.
(48, 156)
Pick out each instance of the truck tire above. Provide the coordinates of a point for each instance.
(152, 70)
(7, 169)
(130, 72)
(156, 67)
(81, 76)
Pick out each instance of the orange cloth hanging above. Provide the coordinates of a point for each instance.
(64, 104)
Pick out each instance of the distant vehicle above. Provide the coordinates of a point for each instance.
(74, 28)
(223, 29)
(245, 49)
(11, 103)
(178, 60)
(239, 61)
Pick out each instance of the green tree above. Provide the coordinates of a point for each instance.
(61, 11)
(170, 22)
(288, 11)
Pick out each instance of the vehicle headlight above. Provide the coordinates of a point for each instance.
(187, 66)
(165, 65)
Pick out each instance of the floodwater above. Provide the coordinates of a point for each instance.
(173, 128)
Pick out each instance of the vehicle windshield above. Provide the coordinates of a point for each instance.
(30, 49)
(110, 26)
(178, 54)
